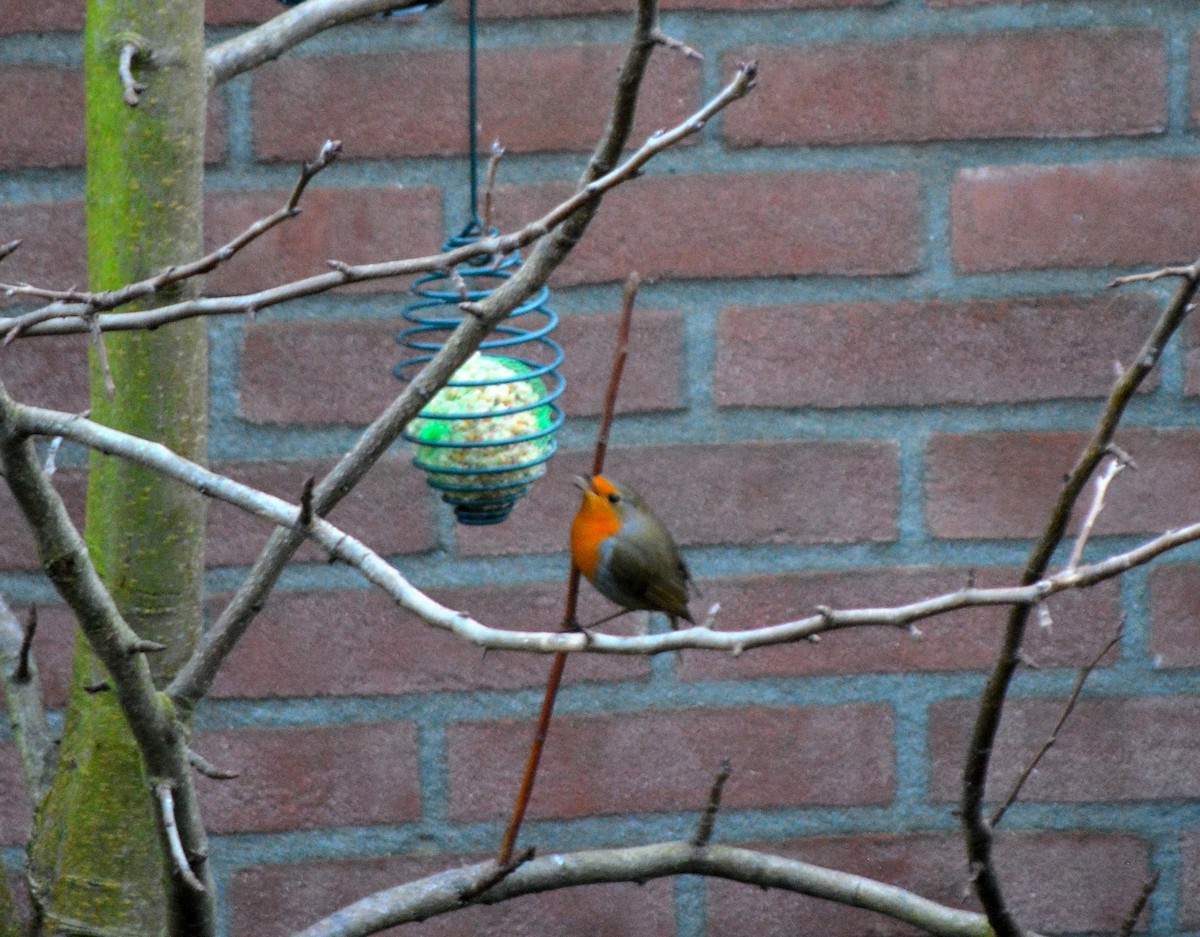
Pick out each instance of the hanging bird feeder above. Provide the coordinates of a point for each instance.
(485, 438)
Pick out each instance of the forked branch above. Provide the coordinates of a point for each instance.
(977, 829)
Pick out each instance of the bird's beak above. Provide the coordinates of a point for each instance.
(583, 484)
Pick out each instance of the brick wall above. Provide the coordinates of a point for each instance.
(874, 335)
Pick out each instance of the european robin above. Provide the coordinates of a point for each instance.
(626, 552)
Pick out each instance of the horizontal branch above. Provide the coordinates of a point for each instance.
(346, 548)
(84, 305)
(443, 893)
(64, 317)
(287, 30)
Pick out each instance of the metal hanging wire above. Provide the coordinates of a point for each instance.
(486, 437)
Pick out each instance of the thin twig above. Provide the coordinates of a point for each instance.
(558, 665)
(1139, 905)
(208, 769)
(6, 249)
(131, 88)
(1052, 738)
(977, 831)
(65, 318)
(26, 704)
(1188, 272)
(110, 385)
(708, 818)
(166, 807)
(1103, 480)
(669, 42)
(489, 189)
(306, 509)
(83, 306)
(23, 672)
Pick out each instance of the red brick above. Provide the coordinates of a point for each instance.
(17, 550)
(656, 761)
(918, 354)
(771, 224)
(1111, 749)
(15, 813)
(1029, 84)
(389, 510)
(1083, 620)
(47, 372)
(346, 365)
(565, 95)
(653, 374)
(1099, 215)
(51, 16)
(511, 9)
(1053, 881)
(47, 104)
(1175, 607)
(305, 778)
(54, 248)
(1004, 484)
(276, 901)
(369, 647)
(351, 225)
(751, 492)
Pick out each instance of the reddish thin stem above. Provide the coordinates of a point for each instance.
(559, 664)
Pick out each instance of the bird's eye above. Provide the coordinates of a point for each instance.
(614, 498)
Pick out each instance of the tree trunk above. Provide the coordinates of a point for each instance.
(97, 862)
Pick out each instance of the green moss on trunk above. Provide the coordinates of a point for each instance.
(96, 858)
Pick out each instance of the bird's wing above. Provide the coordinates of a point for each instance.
(632, 561)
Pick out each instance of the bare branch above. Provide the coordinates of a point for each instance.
(1188, 272)
(489, 188)
(6, 249)
(1139, 905)
(439, 894)
(668, 42)
(1052, 738)
(208, 769)
(196, 676)
(69, 304)
(23, 672)
(375, 569)
(166, 816)
(1103, 480)
(110, 386)
(131, 88)
(26, 704)
(977, 831)
(63, 317)
(287, 30)
(68, 565)
(708, 818)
